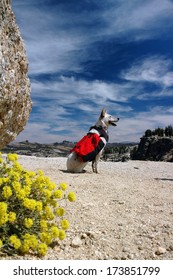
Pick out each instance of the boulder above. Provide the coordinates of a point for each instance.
(15, 101)
(155, 148)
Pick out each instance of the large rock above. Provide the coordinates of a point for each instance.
(15, 102)
(155, 148)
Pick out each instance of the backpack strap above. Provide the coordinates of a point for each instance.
(100, 131)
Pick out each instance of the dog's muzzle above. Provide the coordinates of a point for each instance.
(113, 123)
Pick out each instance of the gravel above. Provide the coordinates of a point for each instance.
(124, 212)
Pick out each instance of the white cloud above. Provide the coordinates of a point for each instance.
(69, 90)
(154, 69)
(53, 102)
(142, 19)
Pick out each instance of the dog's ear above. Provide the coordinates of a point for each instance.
(103, 113)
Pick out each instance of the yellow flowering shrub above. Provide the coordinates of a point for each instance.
(31, 216)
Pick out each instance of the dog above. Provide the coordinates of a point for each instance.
(91, 146)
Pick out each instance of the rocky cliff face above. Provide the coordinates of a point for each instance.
(15, 102)
(155, 148)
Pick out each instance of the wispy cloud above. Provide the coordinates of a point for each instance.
(139, 19)
(66, 98)
(69, 90)
(154, 69)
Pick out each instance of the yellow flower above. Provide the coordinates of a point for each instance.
(62, 234)
(14, 175)
(12, 157)
(40, 172)
(42, 249)
(33, 242)
(39, 206)
(53, 202)
(15, 241)
(17, 167)
(1, 160)
(63, 186)
(29, 242)
(11, 217)
(27, 189)
(28, 222)
(21, 194)
(43, 225)
(48, 213)
(29, 203)
(57, 194)
(24, 249)
(31, 174)
(4, 180)
(3, 213)
(71, 196)
(3, 219)
(47, 193)
(65, 224)
(1, 243)
(60, 212)
(45, 237)
(6, 192)
(3, 207)
(54, 232)
(26, 236)
(16, 186)
(51, 186)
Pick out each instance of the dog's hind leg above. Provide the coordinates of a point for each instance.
(74, 164)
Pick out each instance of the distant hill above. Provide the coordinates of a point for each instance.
(62, 149)
(39, 150)
(153, 148)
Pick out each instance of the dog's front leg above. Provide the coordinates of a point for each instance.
(94, 166)
(95, 162)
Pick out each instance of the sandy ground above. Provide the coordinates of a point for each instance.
(124, 212)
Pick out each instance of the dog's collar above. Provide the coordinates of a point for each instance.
(100, 131)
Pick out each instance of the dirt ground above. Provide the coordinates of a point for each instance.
(124, 212)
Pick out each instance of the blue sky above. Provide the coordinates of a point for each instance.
(85, 55)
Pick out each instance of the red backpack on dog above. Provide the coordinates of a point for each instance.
(90, 145)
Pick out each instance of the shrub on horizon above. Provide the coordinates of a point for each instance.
(30, 216)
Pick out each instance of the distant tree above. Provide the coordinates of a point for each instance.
(169, 130)
(162, 132)
(148, 133)
(166, 131)
(159, 132)
(133, 151)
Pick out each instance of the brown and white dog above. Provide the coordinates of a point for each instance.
(91, 146)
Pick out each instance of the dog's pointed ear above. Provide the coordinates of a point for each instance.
(103, 113)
